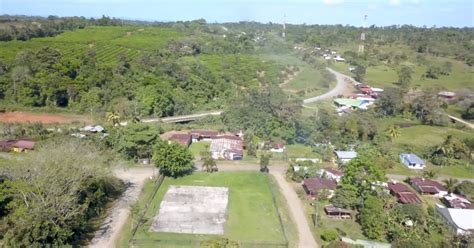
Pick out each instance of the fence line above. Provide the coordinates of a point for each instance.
(272, 190)
(158, 183)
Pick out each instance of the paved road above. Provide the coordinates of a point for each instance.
(341, 87)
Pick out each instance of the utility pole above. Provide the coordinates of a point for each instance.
(284, 26)
(362, 35)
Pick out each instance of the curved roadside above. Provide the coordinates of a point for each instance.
(342, 86)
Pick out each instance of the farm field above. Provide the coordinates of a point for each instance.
(252, 215)
(25, 117)
(107, 42)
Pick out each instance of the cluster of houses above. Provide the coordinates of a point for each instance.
(326, 180)
(326, 54)
(222, 146)
(362, 100)
(18, 145)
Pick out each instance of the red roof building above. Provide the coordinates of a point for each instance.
(428, 187)
(181, 138)
(313, 186)
(403, 193)
(203, 134)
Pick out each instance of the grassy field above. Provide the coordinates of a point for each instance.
(197, 148)
(252, 215)
(383, 75)
(300, 151)
(107, 42)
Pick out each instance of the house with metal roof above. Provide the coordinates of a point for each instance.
(412, 161)
(314, 186)
(403, 193)
(348, 102)
(460, 221)
(427, 186)
(345, 156)
(456, 201)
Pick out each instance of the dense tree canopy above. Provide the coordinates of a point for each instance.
(49, 197)
(172, 159)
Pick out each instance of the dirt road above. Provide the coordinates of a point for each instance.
(110, 229)
(342, 87)
(306, 239)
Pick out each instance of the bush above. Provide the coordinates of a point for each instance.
(329, 235)
(337, 244)
(341, 232)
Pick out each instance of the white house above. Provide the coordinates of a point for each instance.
(330, 173)
(460, 221)
(345, 156)
(412, 161)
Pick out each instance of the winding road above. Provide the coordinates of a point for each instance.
(342, 86)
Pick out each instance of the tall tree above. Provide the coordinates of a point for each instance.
(172, 159)
(373, 226)
(404, 78)
(208, 164)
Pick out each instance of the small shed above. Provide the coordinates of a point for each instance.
(446, 94)
(338, 213)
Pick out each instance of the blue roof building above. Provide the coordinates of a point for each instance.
(412, 161)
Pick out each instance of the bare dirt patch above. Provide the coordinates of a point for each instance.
(24, 117)
(192, 209)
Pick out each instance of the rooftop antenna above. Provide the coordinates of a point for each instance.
(362, 35)
(284, 26)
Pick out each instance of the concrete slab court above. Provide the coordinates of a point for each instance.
(192, 209)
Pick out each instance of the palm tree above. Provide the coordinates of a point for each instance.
(431, 174)
(209, 164)
(394, 132)
(450, 184)
(113, 117)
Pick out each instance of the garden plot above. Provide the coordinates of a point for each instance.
(192, 210)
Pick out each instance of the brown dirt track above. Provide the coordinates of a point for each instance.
(24, 117)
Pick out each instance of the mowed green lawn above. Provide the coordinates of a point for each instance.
(252, 215)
